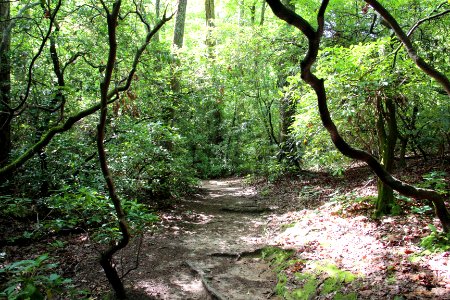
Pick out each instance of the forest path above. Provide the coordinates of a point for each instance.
(209, 248)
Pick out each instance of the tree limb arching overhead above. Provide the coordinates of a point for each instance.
(314, 36)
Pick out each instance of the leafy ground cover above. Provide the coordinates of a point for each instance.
(338, 251)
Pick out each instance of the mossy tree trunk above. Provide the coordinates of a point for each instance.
(387, 140)
(5, 84)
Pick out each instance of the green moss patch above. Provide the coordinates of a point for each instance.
(301, 279)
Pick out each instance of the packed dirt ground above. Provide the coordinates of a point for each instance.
(211, 245)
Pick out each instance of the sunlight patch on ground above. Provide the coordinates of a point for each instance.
(323, 236)
(153, 288)
(186, 283)
(232, 187)
(383, 252)
(202, 218)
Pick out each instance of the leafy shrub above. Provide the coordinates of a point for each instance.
(86, 208)
(436, 181)
(436, 241)
(159, 166)
(15, 207)
(34, 279)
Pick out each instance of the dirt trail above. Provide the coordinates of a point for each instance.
(209, 248)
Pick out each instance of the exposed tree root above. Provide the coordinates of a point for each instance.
(215, 294)
(239, 255)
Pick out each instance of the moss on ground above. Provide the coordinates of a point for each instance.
(299, 279)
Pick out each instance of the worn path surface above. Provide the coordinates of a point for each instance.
(209, 249)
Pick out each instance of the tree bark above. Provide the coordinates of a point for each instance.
(107, 256)
(180, 20)
(263, 13)
(5, 84)
(405, 138)
(241, 15)
(217, 137)
(253, 13)
(209, 17)
(6, 112)
(178, 37)
(158, 13)
(287, 116)
(314, 37)
(387, 141)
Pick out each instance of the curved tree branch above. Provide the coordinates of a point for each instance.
(52, 19)
(347, 150)
(429, 18)
(107, 255)
(50, 134)
(403, 37)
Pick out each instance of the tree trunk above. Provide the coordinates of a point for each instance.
(180, 20)
(178, 37)
(410, 126)
(387, 141)
(253, 13)
(5, 84)
(263, 13)
(157, 13)
(209, 17)
(107, 255)
(217, 137)
(288, 150)
(241, 13)
(403, 146)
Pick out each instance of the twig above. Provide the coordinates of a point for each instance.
(136, 263)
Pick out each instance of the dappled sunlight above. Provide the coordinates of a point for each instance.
(202, 219)
(229, 187)
(156, 288)
(187, 283)
(385, 252)
(190, 217)
(335, 238)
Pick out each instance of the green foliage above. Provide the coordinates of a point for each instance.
(436, 241)
(15, 207)
(159, 166)
(87, 209)
(278, 258)
(421, 209)
(436, 180)
(35, 279)
(308, 289)
(320, 279)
